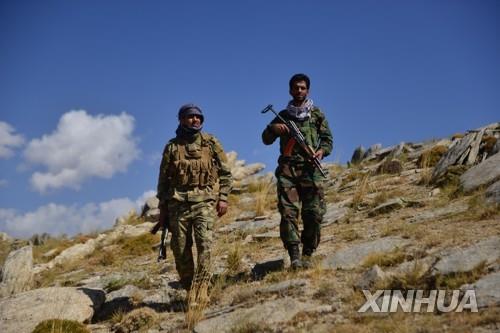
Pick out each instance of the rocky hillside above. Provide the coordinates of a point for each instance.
(417, 216)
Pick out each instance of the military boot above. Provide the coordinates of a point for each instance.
(306, 257)
(294, 252)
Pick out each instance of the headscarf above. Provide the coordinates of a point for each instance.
(300, 113)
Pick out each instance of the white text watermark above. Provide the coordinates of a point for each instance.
(415, 301)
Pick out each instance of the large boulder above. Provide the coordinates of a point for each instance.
(482, 174)
(466, 259)
(353, 256)
(22, 312)
(260, 317)
(493, 193)
(17, 273)
(487, 290)
(239, 169)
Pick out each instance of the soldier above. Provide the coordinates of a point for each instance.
(298, 180)
(192, 163)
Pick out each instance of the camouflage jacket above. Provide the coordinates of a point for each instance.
(315, 130)
(168, 179)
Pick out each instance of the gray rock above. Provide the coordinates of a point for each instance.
(282, 286)
(334, 213)
(464, 260)
(249, 226)
(261, 269)
(5, 238)
(455, 155)
(267, 314)
(22, 312)
(353, 256)
(487, 290)
(372, 150)
(387, 207)
(484, 173)
(493, 193)
(370, 278)
(239, 169)
(126, 292)
(266, 235)
(357, 155)
(17, 272)
(246, 216)
(439, 213)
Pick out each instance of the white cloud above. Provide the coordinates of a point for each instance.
(3, 182)
(81, 147)
(8, 140)
(60, 219)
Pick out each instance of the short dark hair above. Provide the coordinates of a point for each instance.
(300, 77)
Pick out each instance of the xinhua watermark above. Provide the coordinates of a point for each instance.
(415, 301)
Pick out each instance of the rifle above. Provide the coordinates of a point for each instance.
(299, 138)
(163, 224)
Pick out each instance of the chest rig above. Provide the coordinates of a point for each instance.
(192, 165)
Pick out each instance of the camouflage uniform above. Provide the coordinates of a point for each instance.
(299, 181)
(188, 173)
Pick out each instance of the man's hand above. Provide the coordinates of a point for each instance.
(221, 208)
(319, 154)
(279, 129)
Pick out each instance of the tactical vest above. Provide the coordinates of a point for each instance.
(192, 165)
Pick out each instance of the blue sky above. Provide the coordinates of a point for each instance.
(89, 90)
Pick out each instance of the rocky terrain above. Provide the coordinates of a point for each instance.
(416, 216)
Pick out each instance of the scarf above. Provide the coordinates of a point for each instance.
(300, 113)
(187, 132)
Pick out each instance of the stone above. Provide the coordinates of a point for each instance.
(5, 238)
(387, 207)
(372, 150)
(239, 169)
(455, 155)
(357, 155)
(246, 216)
(493, 193)
(261, 269)
(17, 272)
(22, 312)
(487, 290)
(267, 314)
(250, 226)
(464, 260)
(353, 256)
(482, 174)
(334, 213)
(439, 213)
(266, 235)
(282, 286)
(370, 277)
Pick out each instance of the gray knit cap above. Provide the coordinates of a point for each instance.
(189, 109)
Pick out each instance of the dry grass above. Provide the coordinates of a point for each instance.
(479, 208)
(262, 192)
(234, 259)
(60, 326)
(431, 157)
(385, 259)
(198, 298)
(137, 320)
(361, 191)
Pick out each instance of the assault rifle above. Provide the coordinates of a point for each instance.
(163, 224)
(298, 137)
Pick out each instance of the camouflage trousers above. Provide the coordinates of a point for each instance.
(300, 190)
(188, 219)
